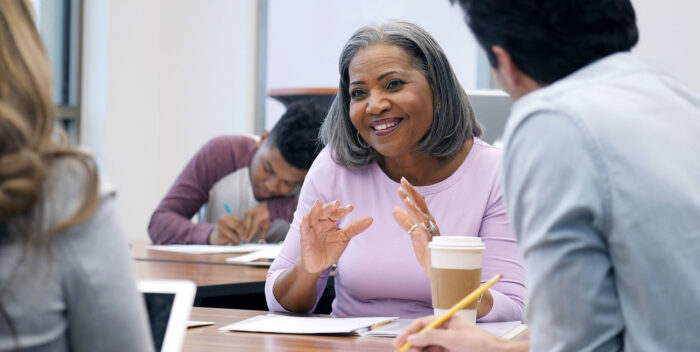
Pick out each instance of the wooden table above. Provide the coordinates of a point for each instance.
(209, 338)
(140, 251)
(219, 284)
(211, 280)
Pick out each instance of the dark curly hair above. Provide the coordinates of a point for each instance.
(550, 39)
(296, 134)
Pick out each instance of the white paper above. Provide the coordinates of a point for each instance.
(506, 330)
(212, 249)
(392, 329)
(196, 324)
(305, 325)
(263, 257)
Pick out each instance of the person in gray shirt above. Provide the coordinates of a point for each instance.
(66, 280)
(601, 177)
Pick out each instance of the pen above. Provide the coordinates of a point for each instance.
(228, 211)
(459, 306)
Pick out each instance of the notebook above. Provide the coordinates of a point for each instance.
(506, 330)
(168, 303)
(283, 324)
(263, 257)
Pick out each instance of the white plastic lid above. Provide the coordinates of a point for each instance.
(456, 242)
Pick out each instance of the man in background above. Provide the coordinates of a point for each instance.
(247, 184)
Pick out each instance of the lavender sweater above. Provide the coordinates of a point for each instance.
(218, 158)
(378, 274)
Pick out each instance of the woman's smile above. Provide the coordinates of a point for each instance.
(391, 102)
(385, 126)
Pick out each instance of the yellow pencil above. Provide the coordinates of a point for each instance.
(457, 307)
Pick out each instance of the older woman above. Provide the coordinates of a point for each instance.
(400, 118)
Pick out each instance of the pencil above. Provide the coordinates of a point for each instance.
(228, 211)
(457, 307)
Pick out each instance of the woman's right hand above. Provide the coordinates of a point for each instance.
(322, 242)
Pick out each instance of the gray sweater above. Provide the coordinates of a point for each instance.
(81, 296)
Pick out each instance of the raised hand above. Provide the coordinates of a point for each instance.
(417, 221)
(322, 242)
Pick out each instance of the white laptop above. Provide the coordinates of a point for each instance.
(168, 303)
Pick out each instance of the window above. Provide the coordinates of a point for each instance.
(59, 23)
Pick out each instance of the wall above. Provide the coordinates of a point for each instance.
(160, 78)
(305, 38)
(669, 31)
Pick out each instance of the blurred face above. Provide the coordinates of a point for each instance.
(271, 175)
(391, 102)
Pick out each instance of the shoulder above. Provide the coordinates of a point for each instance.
(486, 152)
(224, 154)
(326, 164)
(485, 157)
(229, 144)
(67, 184)
(326, 173)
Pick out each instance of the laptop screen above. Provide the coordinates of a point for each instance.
(159, 306)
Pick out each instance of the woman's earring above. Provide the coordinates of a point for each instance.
(360, 140)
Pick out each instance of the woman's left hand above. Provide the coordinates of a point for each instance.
(417, 221)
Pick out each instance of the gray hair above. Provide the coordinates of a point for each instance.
(453, 123)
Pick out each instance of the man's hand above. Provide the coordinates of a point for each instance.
(229, 229)
(455, 335)
(257, 221)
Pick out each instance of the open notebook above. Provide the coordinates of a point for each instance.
(506, 330)
(283, 324)
(263, 257)
(370, 326)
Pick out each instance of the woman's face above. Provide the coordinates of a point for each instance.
(391, 102)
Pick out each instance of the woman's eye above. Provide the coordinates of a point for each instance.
(394, 85)
(356, 93)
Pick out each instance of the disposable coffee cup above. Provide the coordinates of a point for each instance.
(455, 272)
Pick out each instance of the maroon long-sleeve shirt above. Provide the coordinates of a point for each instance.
(218, 158)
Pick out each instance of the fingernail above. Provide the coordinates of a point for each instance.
(402, 190)
(336, 202)
(403, 179)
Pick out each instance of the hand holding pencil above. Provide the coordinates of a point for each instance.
(458, 335)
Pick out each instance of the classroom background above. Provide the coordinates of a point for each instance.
(143, 84)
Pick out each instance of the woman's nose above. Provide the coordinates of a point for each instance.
(377, 104)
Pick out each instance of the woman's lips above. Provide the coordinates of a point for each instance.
(385, 126)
